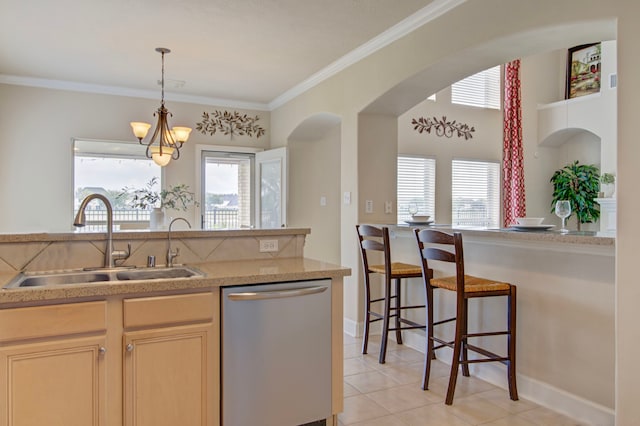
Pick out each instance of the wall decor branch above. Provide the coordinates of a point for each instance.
(229, 123)
(443, 127)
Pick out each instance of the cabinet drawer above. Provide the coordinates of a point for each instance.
(55, 320)
(163, 310)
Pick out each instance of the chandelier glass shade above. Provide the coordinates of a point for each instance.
(165, 142)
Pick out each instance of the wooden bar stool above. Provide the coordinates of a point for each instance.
(465, 287)
(377, 239)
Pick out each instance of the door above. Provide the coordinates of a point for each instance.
(271, 188)
(168, 377)
(59, 383)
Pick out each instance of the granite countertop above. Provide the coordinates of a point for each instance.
(507, 234)
(217, 274)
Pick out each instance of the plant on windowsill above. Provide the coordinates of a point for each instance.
(607, 185)
(578, 183)
(177, 197)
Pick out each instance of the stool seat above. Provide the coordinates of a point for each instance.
(471, 284)
(399, 270)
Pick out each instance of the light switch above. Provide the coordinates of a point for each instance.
(347, 198)
(388, 207)
(323, 201)
(368, 206)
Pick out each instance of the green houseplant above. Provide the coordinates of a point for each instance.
(578, 183)
(607, 184)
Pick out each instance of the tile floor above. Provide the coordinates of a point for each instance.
(389, 394)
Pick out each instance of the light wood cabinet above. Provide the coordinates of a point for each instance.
(49, 376)
(171, 363)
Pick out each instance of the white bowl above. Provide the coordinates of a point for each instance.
(419, 218)
(529, 221)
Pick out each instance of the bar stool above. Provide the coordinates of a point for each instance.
(465, 287)
(377, 239)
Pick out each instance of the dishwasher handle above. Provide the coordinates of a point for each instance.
(279, 294)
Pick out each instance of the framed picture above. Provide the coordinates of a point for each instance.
(583, 70)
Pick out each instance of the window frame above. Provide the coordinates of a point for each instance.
(114, 149)
(200, 176)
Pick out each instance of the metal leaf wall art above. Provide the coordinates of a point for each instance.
(229, 123)
(443, 127)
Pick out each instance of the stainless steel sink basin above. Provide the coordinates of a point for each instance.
(56, 279)
(41, 279)
(155, 273)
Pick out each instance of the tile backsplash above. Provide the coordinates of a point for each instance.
(72, 252)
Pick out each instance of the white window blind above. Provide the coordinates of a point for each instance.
(416, 184)
(480, 90)
(475, 193)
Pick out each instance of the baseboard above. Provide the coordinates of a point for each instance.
(531, 389)
(549, 396)
(351, 327)
(356, 329)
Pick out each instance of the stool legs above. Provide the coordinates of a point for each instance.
(511, 350)
(367, 316)
(465, 326)
(385, 320)
(398, 312)
(457, 349)
(429, 352)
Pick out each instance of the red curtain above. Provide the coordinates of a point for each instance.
(512, 162)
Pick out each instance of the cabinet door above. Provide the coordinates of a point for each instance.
(168, 377)
(59, 383)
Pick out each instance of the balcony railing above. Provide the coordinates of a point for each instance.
(216, 218)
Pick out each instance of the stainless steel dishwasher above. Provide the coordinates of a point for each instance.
(276, 354)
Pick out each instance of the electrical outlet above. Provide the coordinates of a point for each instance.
(368, 206)
(323, 201)
(268, 246)
(347, 198)
(388, 207)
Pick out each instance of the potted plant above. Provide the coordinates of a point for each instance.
(607, 184)
(578, 183)
(177, 197)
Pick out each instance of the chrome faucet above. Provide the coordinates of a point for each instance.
(110, 255)
(173, 254)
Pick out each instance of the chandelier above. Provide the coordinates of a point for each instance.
(169, 140)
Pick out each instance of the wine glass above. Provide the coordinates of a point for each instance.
(563, 211)
(413, 208)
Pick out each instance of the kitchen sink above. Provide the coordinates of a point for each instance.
(41, 279)
(154, 274)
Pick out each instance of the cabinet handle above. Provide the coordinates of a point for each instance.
(129, 347)
(102, 350)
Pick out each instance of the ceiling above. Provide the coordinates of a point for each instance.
(225, 51)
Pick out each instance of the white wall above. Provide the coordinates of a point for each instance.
(36, 169)
(314, 167)
(485, 145)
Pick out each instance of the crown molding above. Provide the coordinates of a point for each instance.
(428, 13)
(125, 91)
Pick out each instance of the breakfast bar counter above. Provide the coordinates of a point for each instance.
(565, 317)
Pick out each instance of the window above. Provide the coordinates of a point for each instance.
(475, 193)
(242, 187)
(227, 190)
(480, 90)
(107, 168)
(416, 184)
